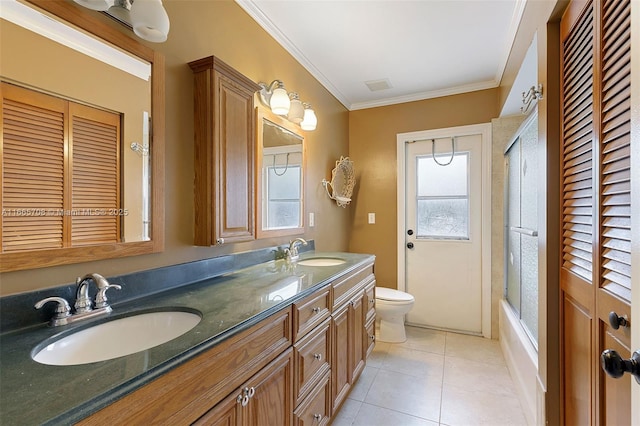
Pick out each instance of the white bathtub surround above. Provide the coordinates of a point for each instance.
(521, 358)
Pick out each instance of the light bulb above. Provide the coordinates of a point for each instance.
(310, 121)
(279, 101)
(149, 20)
(296, 110)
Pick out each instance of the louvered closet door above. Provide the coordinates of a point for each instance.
(595, 274)
(614, 269)
(32, 170)
(95, 200)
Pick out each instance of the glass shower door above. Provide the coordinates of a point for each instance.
(522, 227)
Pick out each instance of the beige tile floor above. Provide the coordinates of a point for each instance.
(434, 378)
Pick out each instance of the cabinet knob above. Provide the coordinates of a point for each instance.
(220, 241)
(317, 356)
(616, 321)
(615, 366)
(316, 309)
(317, 417)
(372, 337)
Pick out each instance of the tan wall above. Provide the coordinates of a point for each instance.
(372, 147)
(223, 29)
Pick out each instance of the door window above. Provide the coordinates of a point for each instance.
(442, 196)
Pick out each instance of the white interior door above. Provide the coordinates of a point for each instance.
(443, 250)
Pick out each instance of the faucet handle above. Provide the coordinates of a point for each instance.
(101, 296)
(63, 310)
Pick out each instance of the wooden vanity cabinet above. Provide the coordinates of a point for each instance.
(224, 150)
(350, 337)
(186, 393)
(295, 367)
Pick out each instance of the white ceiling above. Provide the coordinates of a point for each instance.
(421, 48)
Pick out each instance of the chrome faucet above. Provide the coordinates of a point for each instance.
(83, 306)
(292, 251)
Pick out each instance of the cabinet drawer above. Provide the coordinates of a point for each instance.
(311, 359)
(370, 300)
(316, 408)
(343, 288)
(309, 312)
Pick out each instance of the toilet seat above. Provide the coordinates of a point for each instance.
(394, 296)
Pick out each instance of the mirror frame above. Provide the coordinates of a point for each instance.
(262, 113)
(100, 27)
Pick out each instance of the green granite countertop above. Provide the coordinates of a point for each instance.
(33, 393)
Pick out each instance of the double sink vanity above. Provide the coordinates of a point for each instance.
(257, 338)
(256, 341)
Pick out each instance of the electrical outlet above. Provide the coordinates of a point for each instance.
(312, 221)
(372, 218)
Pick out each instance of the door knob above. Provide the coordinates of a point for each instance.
(616, 321)
(615, 366)
(409, 245)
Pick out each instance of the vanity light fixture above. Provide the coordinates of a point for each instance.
(147, 18)
(310, 121)
(288, 105)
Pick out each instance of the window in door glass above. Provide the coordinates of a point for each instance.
(443, 196)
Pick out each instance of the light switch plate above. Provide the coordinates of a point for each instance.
(312, 220)
(372, 218)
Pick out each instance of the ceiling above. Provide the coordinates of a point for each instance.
(405, 50)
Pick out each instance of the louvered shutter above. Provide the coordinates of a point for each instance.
(60, 172)
(95, 141)
(32, 170)
(616, 146)
(578, 139)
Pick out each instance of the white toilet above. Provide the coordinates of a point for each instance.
(391, 307)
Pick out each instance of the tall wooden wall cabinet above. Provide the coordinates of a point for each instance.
(224, 153)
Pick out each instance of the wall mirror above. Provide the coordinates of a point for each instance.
(280, 163)
(106, 70)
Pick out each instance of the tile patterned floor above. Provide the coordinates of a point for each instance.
(434, 378)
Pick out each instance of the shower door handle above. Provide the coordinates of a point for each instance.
(525, 231)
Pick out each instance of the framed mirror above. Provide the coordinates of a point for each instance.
(280, 165)
(112, 74)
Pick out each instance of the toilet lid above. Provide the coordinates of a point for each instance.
(390, 294)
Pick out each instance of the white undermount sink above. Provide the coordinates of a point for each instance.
(321, 261)
(118, 337)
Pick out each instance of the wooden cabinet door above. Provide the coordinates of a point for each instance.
(271, 390)
(340, 363)
(357, 342)
(596, 215)
(225, 413)
(224, 153)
